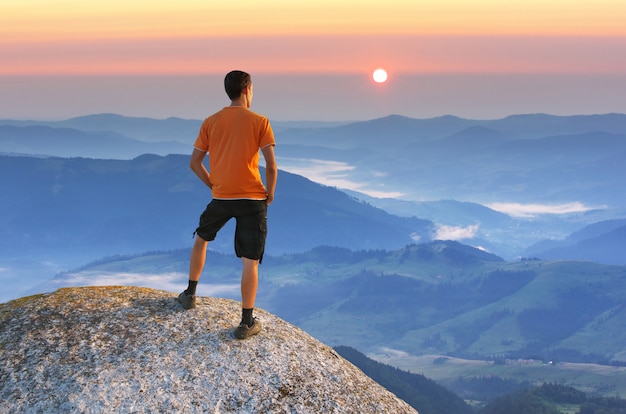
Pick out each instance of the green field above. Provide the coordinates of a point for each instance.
(603, 380)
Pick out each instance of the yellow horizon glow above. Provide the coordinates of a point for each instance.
(321, 54)
(197, 36)
(54, 20)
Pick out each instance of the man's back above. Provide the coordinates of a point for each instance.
(233, 137)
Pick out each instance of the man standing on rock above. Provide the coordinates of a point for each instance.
(233, 137)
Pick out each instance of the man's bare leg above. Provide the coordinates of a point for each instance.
(249, 282)
(196, 263)
(197, 259)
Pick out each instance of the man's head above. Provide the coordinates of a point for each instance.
(236, 82)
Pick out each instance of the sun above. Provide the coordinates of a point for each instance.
(379, 75)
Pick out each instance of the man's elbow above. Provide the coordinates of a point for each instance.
(271, 164)
(194, 164)
(195, 161)
(272, 168)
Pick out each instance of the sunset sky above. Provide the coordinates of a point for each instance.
(312, 60)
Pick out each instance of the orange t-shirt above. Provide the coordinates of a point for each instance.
(233, 138)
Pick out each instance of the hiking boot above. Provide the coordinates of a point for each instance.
(188, 301)
(244, 331)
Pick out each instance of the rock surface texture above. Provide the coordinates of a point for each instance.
(129, 349)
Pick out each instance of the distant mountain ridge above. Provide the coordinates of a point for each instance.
(150, 129)
(513, 127)
(526, 159)
(602, 242)
(530, 126)
(417, 390)
(142, 129)
(523, 158)
(104, 207)
(533, 158)
(67, 142)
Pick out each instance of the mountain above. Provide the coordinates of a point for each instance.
(534, 158)
(151, 130)
(471, 223)
(88, 208)
(436, 298)
(67, 142)
(528, 160)
(537, 160)
(493, 394)
(142, 129)
(526, 126)
(513, 238)
(452, 212)
(418, 391)
(601, 242)
(552, 398)
(524, 159)
(130, 349)
(532, 126)
(395, 128)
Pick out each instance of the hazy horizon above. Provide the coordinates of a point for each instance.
(313, 60)
(318, 97)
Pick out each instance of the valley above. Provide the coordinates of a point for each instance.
(451, 247)
(456, 373)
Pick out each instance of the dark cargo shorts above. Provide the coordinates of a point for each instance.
(251, 229)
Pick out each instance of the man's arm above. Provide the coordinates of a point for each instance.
(271, 172)
(197, 166)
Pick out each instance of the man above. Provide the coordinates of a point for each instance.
(233, 137)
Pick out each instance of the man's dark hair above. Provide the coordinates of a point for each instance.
(235, 82)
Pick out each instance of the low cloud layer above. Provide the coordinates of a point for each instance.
(444, 232)
(333, 174)
(533, 210)
(171, 282)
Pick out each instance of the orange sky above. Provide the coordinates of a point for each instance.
(413, 36)
(471, 58)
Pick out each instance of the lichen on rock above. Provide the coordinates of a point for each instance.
(130, 349)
